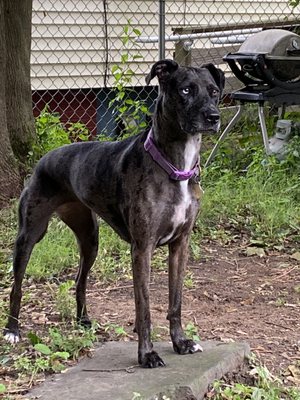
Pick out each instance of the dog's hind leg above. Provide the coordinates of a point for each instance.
(178, 255)
(33, 222)
(84, 224)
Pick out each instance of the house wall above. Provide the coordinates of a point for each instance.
(76, 42)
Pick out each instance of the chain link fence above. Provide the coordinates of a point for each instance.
(90, 57)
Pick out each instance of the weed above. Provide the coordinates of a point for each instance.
(65, 301)
(266, 387)
(189, 282)
(191, 332)
(115, 331)
(280, 302)
(49, 354)
(131, 112)
(74, 341)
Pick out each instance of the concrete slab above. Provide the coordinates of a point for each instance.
(112, 374)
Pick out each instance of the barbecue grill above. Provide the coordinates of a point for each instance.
(268, 64)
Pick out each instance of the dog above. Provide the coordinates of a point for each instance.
(145, 187)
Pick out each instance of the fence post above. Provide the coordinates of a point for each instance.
(162, 30)
(182, 55)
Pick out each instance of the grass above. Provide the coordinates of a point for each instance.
(260, 199)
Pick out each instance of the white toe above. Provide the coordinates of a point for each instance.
(11, 338)
(197, 347)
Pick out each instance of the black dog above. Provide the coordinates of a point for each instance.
(136, 188)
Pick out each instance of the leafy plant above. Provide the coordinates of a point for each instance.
(191, 332)
(78, 132)
(51, 133)
(42, 360)
(130, 112)
(74, 342)
(50, 354)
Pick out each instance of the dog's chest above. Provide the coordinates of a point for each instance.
(179, 216)
(181, 211)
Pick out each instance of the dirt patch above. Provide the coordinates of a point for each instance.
(230, 297)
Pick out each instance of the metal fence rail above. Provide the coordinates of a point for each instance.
(86, 52)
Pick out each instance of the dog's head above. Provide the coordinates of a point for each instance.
(191, 95)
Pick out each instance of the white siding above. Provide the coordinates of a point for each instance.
(70, 50)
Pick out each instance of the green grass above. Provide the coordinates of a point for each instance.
(260, 199)
(55, 253)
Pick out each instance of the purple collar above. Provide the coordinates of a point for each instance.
(172, 171)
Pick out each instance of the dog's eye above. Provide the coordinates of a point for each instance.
(186, 90)
(215, 92)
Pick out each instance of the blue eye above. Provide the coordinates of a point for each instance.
(186, 90)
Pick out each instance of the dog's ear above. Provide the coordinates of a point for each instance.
(217, 74)
(162, 69)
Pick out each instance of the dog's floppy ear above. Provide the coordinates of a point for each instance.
(217, 74)
(162, 69)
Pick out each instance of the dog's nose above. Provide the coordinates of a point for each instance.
(213, 118)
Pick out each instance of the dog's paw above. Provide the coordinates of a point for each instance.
(186, 346)
(151, 360)
(11, 337)
(85, 322)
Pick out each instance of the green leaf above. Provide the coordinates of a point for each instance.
(125, 40)
(42, 348)
(126, 29)
(137, 31)
(129, 101)
(137, 56)
(124, 58)
(2, 388)
(33, 338)
(115, 68)
(61, 354)
(118, 76)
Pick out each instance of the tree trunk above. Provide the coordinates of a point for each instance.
(9, 174)
(20, 121)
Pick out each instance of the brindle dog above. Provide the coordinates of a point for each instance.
(128, 184)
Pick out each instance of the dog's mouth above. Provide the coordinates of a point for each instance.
(204, 129)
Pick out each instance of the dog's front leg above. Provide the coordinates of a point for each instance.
(178, 255)
(141, 258)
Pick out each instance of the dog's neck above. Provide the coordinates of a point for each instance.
(179, 148)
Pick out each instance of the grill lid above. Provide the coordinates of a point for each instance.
(273, 42)
(271, 56)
